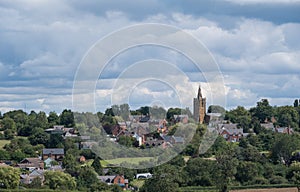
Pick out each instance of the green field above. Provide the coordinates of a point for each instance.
(3, 142)
(118, 161)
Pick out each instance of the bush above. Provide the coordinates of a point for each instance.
(259, 181)
(277, 180)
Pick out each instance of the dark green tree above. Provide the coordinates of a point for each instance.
(199, 172)
(55, 140)
(144, 110)
(67, 118)
(283, 148)
(39, 136)
(287, 116)
(173, 111)
(247, 171)
(41, 120)
(263, 111)
(97, 166)
(70, 164)
(126, 141)
(53, 119)
(225, 170)
(86, 177)
(9, 134)
(163, 180)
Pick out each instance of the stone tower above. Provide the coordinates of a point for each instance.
(199, 107)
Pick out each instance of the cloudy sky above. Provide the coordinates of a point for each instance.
(255, 43)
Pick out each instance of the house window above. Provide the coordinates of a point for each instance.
(119, 180)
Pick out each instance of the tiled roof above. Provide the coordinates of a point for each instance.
(57, 151)
(228, 126)
(107, 178)
(267, 125)
(234, 131)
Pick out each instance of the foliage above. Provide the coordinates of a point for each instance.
(283, 148)
(86, 177)
(247, 171)
(59, 180)
(97, 165)
(53, 119)
(9, 177)
(36, 183)
(263, 111)
(163, 180)
(287, 116)
(226, 165)
(67, 118)
(39, 136)
(126, 141)
(70, 164)
(296, 179)
(216, 109)
(199, 172)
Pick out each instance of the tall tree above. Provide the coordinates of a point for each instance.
(97, 166)
(53, 119)
(263, 111)
(287, 116)
(67, 118)
(86, 177)
(226, 164)
(41, 120)
(70, 164)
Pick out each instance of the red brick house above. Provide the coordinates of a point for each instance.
(53, 153)
(232, 135)
(115, 179)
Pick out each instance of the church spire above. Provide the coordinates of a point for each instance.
(199, 92)
(199, 107)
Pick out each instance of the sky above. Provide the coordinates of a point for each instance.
(255, 44)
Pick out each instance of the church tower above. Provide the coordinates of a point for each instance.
(199, 107)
